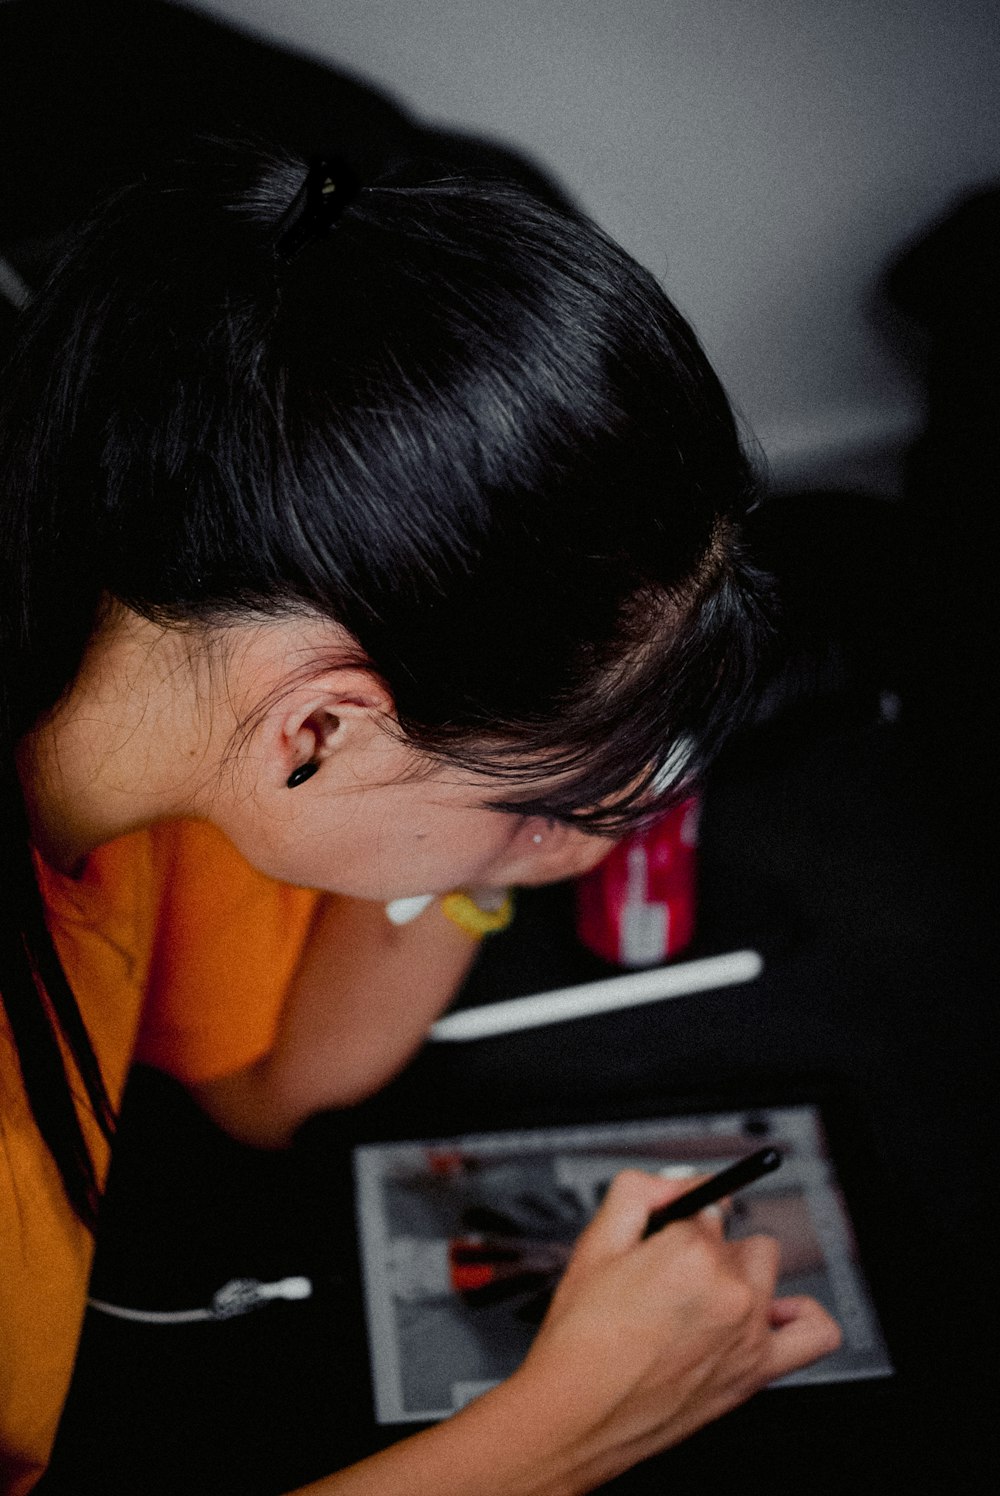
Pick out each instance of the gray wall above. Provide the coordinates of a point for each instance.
(766, 159)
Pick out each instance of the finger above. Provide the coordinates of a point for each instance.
(759, 1259)
(788, 1308)
(624, 1214)
(712, 1217)
(805, 1332)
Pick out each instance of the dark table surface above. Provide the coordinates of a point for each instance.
(858, 857)
(825, 846)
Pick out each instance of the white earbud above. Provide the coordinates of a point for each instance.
(402, 911)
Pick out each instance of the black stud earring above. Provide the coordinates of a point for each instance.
(301, 774)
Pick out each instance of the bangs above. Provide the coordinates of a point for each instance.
(635, 738)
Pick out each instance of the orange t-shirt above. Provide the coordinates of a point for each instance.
(180, 954)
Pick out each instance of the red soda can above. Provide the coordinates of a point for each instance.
(637, 908)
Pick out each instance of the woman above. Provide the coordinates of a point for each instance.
(361, 541)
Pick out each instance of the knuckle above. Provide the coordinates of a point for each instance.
(628, 1181)
(702, 1263)
(700, 1252)
(627, 1185)
(764, 1250)
(737, 1300)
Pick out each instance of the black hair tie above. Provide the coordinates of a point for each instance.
(330, 186)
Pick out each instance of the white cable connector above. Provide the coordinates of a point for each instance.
(404, 911)
(238, 1296)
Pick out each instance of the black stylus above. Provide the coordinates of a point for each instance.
(754, 1166)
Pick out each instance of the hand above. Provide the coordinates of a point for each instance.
(646, 1341)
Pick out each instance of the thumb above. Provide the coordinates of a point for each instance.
(803, 1332)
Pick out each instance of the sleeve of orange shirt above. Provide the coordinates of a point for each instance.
(226, 946)
(173, 925)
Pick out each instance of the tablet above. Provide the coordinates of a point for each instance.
(462, 1238)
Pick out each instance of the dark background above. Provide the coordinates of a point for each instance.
(850, 835)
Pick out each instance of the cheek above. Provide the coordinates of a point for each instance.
(377, 846)
(452, 848)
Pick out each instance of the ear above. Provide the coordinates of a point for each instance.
(548, 851)
(338, 713)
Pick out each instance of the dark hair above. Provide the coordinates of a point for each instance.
(465, 425)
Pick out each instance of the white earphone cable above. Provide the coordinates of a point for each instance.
(238, 1296)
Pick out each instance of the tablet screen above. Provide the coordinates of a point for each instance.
(462, 1239)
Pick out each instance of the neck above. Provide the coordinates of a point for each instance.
(126, 747)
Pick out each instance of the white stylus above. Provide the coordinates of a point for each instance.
(605, 996)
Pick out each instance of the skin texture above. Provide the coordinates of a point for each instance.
(643, 1344)
(644, 1341)
(164, 724)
